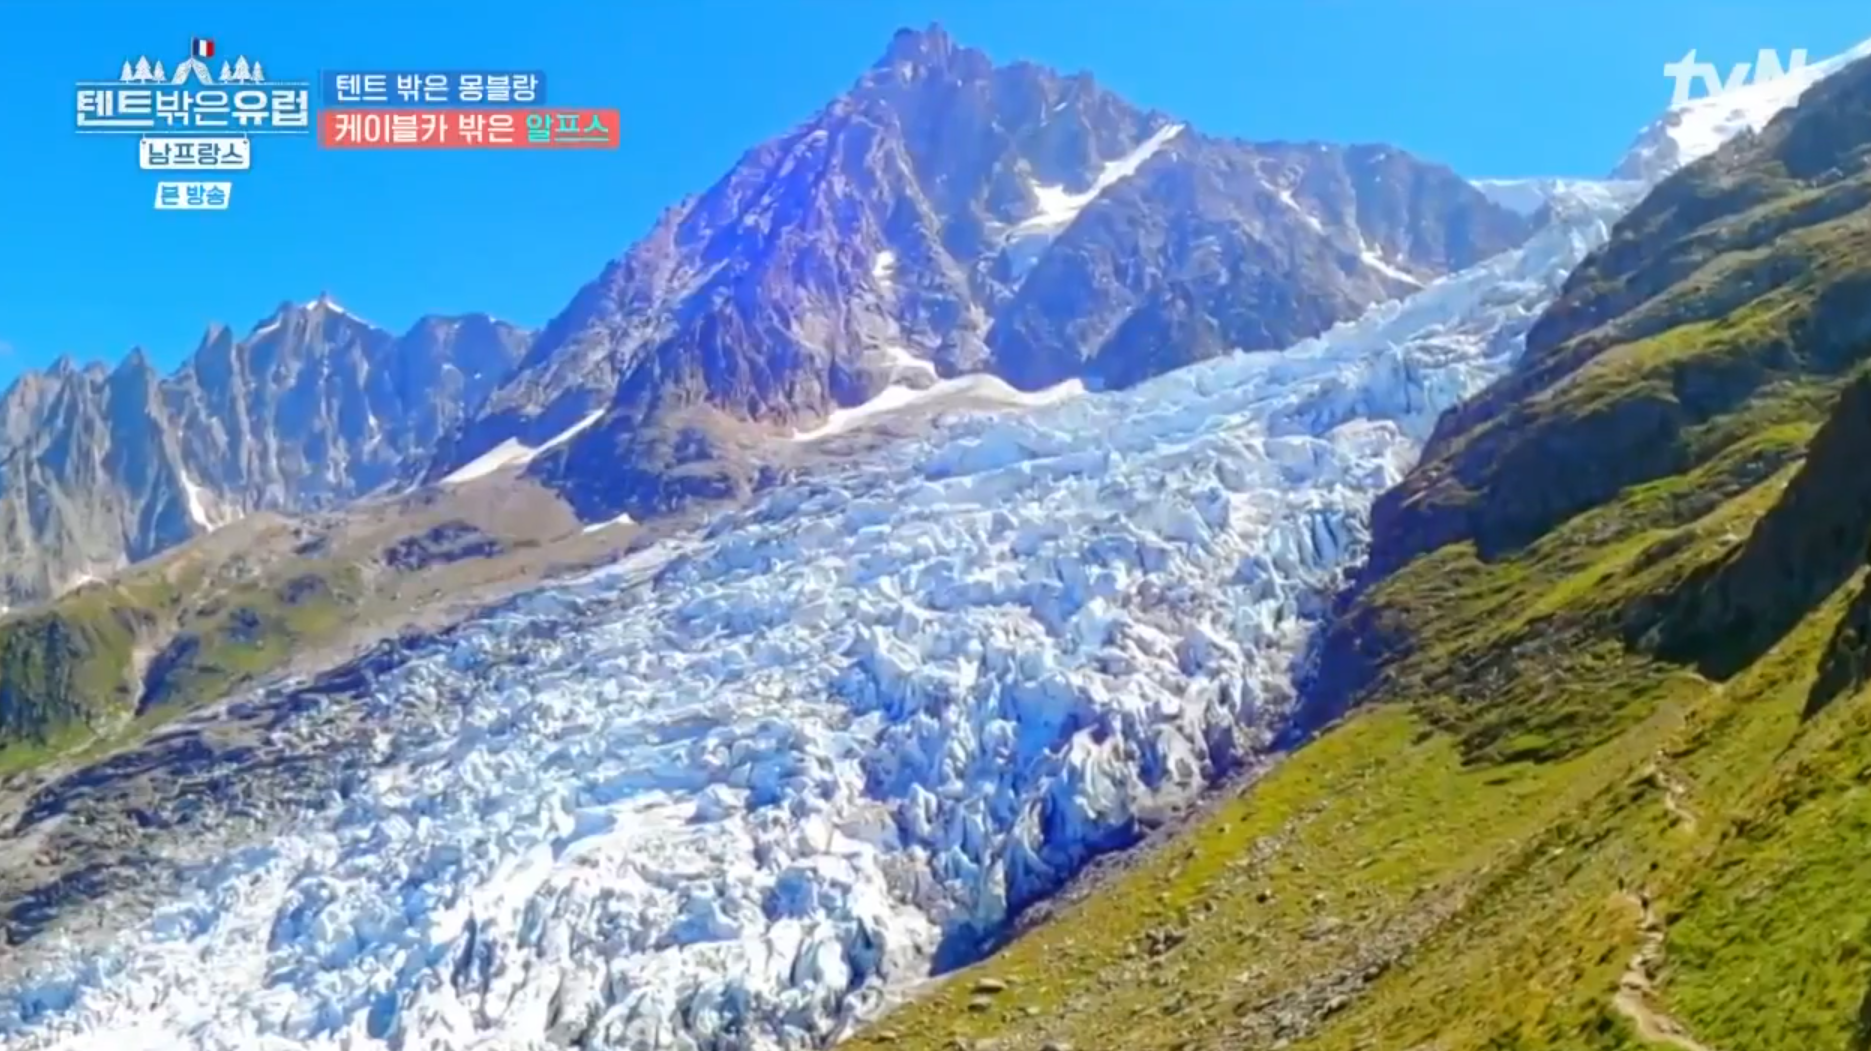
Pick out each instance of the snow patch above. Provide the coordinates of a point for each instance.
(1702, 125)
(974, 388)
(512, 452)
(899, 358)
(508, 453)
(1694, 129)
(1058, 207)
(1285, 196)
(1377, 262)
(193, 495)
(598, 527)
(883, 269)
(573, 431)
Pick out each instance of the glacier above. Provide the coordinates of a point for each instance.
(742, 787)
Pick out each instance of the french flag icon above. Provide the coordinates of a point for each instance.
(201, 47)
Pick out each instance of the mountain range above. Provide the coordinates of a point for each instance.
(945, 217)
(314, 407)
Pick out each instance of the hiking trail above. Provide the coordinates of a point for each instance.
(1636, 995)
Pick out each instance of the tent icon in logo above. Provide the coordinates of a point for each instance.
(194, 67)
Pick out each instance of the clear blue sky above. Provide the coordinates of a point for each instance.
(1490, 87)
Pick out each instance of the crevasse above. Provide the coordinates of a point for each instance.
(733, 791)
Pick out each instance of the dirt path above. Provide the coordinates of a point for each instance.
(1635, 999)
(1675, 793)
(1674, 796)
(1636, 995)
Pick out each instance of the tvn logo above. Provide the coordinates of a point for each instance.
(1689, 71)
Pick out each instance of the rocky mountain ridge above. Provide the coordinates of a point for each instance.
(103, 467)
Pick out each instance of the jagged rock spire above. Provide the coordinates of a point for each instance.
(929, 46)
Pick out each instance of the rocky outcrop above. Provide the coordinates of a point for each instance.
(1815, 539)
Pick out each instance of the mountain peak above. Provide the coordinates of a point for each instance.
(919, 47)
(326, 303)
(1689, 131)
(135, 361)
(979, 219)
(133, 376)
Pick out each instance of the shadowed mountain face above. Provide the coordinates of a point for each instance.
(99, 468)
(947, 216)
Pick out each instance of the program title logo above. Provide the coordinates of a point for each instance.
(194, 117)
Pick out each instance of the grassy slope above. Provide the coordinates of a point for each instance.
(71, 673)
(1454, 866)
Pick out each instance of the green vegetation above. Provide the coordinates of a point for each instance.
(254, 629)
(110, 659)
(1607, 782)
(71, 663)
(1284, 904)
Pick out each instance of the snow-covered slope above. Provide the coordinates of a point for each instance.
(1691, 130)
(1528, 196)
(734, 790)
